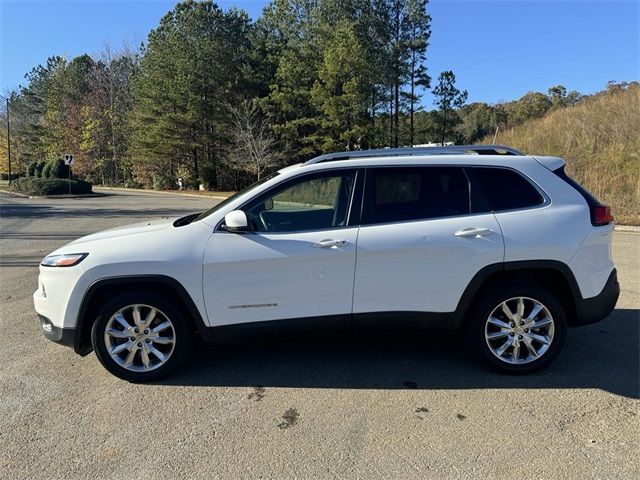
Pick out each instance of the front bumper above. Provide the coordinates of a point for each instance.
(594, 309)
(63, 336)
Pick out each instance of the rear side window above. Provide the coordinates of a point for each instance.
(399, 194)
(506, 189)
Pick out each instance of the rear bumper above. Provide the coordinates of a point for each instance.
(594, 309)
(63, 336)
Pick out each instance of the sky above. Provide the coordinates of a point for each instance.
(498, 49)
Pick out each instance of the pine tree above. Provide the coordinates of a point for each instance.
(448, 98)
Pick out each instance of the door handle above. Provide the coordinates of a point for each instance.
(330, 243)
(473, 232)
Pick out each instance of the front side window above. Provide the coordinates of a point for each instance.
(397, 194)
(315, 202)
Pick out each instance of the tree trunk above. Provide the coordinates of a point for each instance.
(444, 127)
(411, 108)
(390, 122)
(396, 117)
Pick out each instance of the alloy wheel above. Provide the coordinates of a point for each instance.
(140, 338)
(519, 330)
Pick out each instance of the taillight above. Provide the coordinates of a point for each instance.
(601, 215)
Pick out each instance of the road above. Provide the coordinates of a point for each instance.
(349, 408)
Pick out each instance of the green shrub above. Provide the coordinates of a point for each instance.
(46, 170)
(208, 176)
(59, 169)
(31, 169)
(39, 168)
(163, 181)
(55, 169)
(50, 186)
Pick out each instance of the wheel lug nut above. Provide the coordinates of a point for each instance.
(139, 344)
(133, 339)
(136, 330)
(148, 341)
(526, 330)
(512, 324)
(521, 322)
(511, 334)
(146, 332)
(519, 337)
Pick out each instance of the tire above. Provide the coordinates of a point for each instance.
(141, 350)
(491, 328)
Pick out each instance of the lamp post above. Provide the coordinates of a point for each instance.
(8, 138)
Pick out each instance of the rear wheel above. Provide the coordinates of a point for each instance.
(140, 337)
(519, 328)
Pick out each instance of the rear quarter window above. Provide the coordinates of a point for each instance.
(506, 189)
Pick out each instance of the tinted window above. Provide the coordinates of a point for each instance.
(407, 193)
(308, 203)
(506, 189)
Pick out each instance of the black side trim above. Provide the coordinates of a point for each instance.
(398, 321)
(290, 327)
(594, 309)
(375, 322)
(63, 336)
(176, 286)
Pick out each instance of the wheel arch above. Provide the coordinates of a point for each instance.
(553, 275)
(103, 288)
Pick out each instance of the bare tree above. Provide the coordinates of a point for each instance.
(253, 144)
(111, 90)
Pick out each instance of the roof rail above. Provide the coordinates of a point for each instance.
(408, 151)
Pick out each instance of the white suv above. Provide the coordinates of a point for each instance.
(483, 239)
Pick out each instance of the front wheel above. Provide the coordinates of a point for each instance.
(140, 337)
(518, 329)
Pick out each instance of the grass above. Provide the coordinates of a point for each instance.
(600, 140)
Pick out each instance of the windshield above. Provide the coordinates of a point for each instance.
(225, 202)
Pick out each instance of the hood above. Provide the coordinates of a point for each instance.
(127, 230)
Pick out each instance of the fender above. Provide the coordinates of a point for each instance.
(456, 318)
(82, 334)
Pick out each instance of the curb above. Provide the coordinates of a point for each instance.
(628, 228)
(13, 194)
(86, 195)
(163, 192)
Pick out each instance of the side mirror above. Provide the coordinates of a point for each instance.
(236, 221)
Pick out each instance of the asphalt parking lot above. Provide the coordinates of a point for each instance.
(324, 408)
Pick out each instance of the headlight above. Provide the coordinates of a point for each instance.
(66, 260)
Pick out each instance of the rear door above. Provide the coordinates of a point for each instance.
(420, 243)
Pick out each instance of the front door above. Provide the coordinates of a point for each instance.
(296, 264)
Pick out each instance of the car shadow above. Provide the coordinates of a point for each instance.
(603, 356)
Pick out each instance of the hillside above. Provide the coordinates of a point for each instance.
(600, 140)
